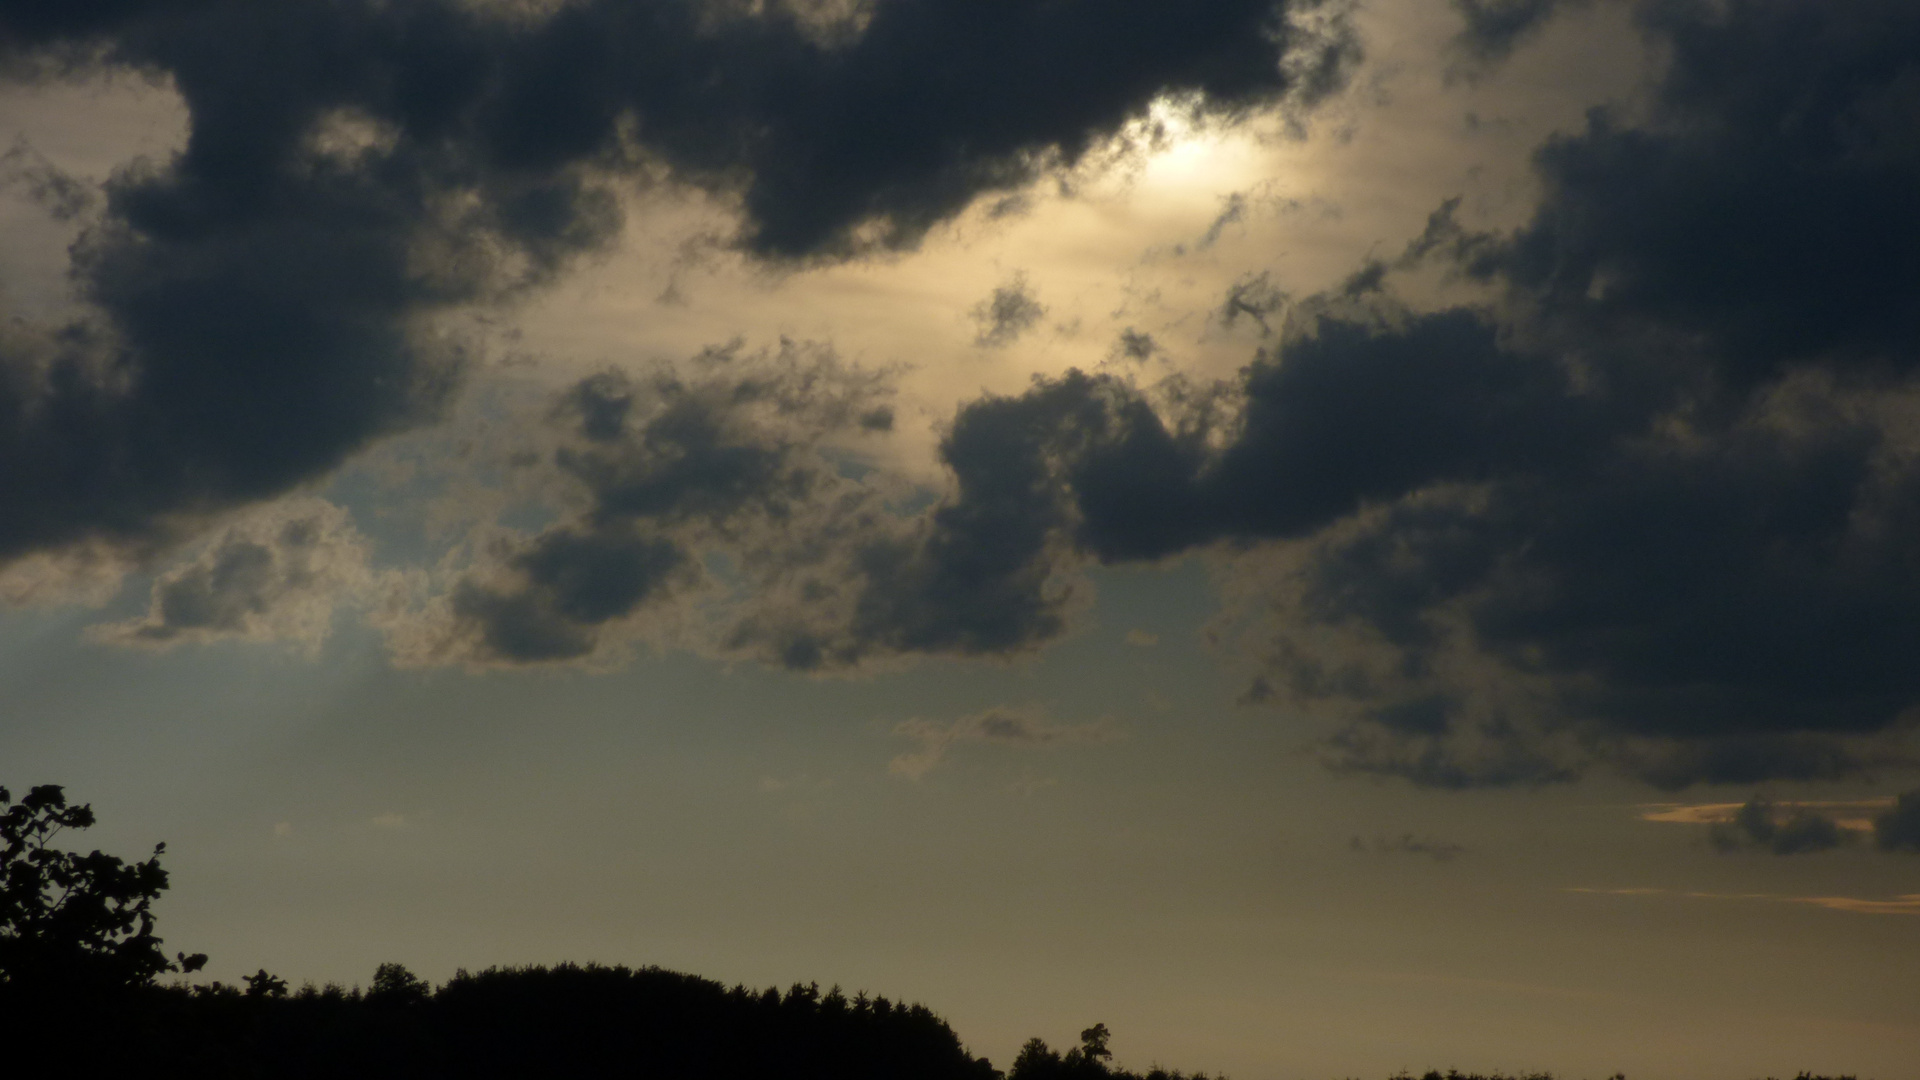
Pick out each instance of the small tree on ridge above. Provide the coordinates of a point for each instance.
(69, 920)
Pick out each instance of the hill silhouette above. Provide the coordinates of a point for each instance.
(565, 1020)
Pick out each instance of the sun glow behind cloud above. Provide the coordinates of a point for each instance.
(1133, 238)
(1191, 160)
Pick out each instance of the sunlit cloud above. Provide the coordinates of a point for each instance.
(88, 575)
(1854, 814)
(1908, 904)
(275, 574)
(1783, 828)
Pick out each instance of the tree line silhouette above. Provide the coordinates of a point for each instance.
(79, 978)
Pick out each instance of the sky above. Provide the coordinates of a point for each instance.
(1330, 537)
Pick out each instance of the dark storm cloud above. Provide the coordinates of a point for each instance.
(566, 583)
(1655, 505)
(1720, 590)
(63, 195)
(1728, 604)
(257, 306)
(28, 24)
(1352, 414)
(1899, 828)
(1436, 398)
(720, 491)
(1082, 463)
(1088, 463)
(1767, 204)
(1494, 27)
(978, 575)
(1759, 824)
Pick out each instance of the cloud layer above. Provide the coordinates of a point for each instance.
(260, 306)
(1758, 824)
(276, 574)
(1650, 501)
(1653, 504)
(677, 491)
(997, 726)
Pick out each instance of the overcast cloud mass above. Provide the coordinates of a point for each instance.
(1649, 499)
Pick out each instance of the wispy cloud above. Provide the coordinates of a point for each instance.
(1783, 828)
(1012, 310)
(1408, 844)
(1908, 904)
(1027, 727)
(1855, 814)
(798, 784)
(1905, 904)
(274, 574)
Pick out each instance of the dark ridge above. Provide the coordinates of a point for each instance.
(566, 1020)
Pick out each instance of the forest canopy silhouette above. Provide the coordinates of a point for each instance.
(77, 945)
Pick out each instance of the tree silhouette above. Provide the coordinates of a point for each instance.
(1091, 1061)
(1093, 1043)
(393, 982)
(71, 920)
